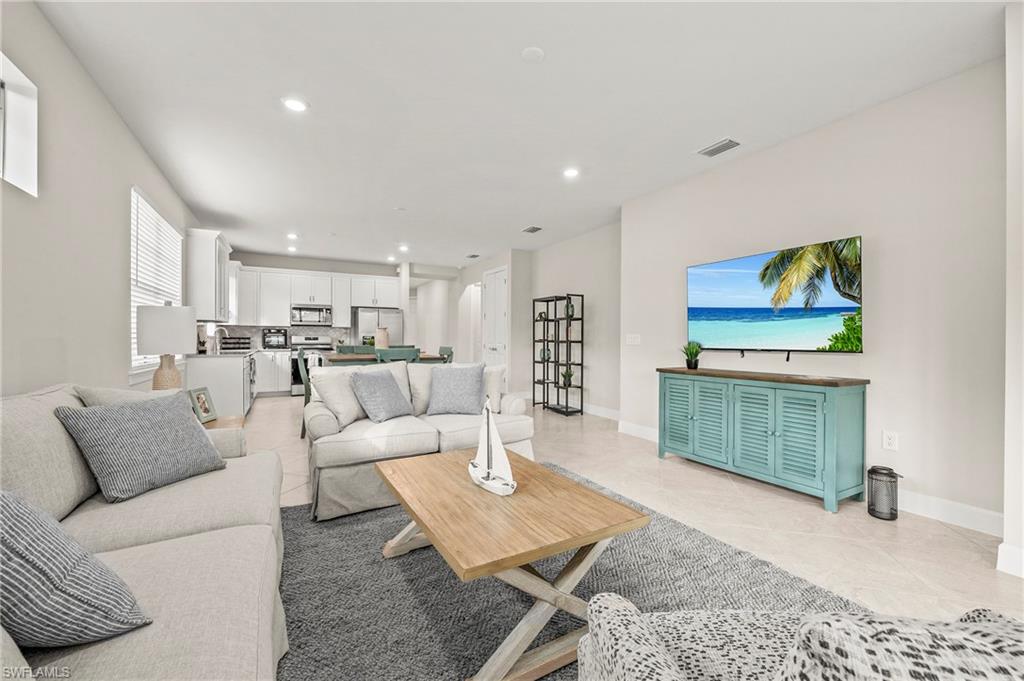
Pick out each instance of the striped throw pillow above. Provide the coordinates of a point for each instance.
(133, 447)
(53, 592)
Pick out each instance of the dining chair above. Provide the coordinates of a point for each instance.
(398, 354)
(447, 353)
(304, 375)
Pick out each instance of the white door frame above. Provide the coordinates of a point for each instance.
(483, 307)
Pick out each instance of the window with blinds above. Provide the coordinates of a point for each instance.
(155, 267)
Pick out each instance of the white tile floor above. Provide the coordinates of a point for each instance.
(914, 566)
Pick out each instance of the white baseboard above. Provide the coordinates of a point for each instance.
(1011, 560)
(603, 412)
(953, 512)
(635, 430)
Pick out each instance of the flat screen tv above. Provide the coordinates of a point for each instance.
(797, 299)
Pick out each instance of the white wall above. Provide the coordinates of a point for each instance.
(1011, 552)
(589, 264)
(432, 316)
(65, 254)
(922, 178)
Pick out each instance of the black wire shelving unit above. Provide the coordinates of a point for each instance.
(557, 347)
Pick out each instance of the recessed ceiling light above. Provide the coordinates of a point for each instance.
(292, 236)
(533, 55)
(294, 104)
(291, 249)
(571, 173)
(391, 258)
(403, 248)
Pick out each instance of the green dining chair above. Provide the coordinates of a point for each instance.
(398, 355)
(304, 375)
(447, 353)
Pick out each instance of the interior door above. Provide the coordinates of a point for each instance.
(711, 417)
(495, 317)
(754, 429)
(677, 402)
(799, 436)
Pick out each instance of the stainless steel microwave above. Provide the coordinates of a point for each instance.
(311, 315)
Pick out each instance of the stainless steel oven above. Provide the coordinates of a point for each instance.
(314, 346)
(311, 315)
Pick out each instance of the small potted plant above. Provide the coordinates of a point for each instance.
(692, 352)
(567, 378)
(570, 310)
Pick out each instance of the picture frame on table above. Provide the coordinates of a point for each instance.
(202, 404)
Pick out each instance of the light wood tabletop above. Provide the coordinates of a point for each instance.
(225, 422)
(480, 533)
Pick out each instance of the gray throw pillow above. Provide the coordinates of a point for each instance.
(53, 592)
(456, 390)
(99, 397)
(133, 447)
(379, 395)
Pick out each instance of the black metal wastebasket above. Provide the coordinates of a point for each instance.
(883, 483)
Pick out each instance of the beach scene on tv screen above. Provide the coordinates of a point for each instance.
(805, 298)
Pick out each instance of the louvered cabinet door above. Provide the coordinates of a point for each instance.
(678, 406)
(799, 436)
(711, 417)
(754, 429)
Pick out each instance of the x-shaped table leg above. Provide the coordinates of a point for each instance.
(508, 662)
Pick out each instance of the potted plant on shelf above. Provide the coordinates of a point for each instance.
(567, 378)
(570, 310)
(692, 351)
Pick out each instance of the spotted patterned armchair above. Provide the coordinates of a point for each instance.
(700, 645)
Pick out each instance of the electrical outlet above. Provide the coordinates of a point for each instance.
(890, 440)
(632, 339)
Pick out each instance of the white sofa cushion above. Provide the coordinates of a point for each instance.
(462, 431)
(364, 440)
(215, 608)
(333, 386)
(244, 493)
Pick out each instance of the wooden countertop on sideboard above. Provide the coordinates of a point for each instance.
(821, 381)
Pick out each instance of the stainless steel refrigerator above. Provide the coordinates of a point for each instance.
(366, 321)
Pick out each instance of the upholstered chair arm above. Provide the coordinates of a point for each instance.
(230, 442)
(320, 421)
(512, 405)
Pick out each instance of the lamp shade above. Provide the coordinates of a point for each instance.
(165, 330)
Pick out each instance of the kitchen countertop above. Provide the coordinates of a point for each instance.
(342, 357)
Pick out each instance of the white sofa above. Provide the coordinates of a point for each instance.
(202, 556)
(341, 460)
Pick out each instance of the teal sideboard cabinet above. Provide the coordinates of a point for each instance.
(801, 432)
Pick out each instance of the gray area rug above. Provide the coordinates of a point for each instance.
(354, 616)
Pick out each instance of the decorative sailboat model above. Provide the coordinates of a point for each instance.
(490, 468)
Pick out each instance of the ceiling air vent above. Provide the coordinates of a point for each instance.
(532, 229)
(473, 256)
(719, 147)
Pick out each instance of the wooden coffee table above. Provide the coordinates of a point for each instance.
(480, 534)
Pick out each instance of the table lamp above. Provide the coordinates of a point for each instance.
(165, 330)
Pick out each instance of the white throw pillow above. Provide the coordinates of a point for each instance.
(494, 381)
(334, 387)
(419, 385)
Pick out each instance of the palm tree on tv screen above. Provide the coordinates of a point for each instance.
(804, 269)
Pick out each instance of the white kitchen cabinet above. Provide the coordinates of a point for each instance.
(247, 297)
(311, 289)
(387, 292)
(275, 299)
(362, 292)
(228, 378)
(341, 296)
(207, 288)
(375, 292)
(273, 371)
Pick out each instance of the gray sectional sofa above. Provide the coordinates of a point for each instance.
(202, 556)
